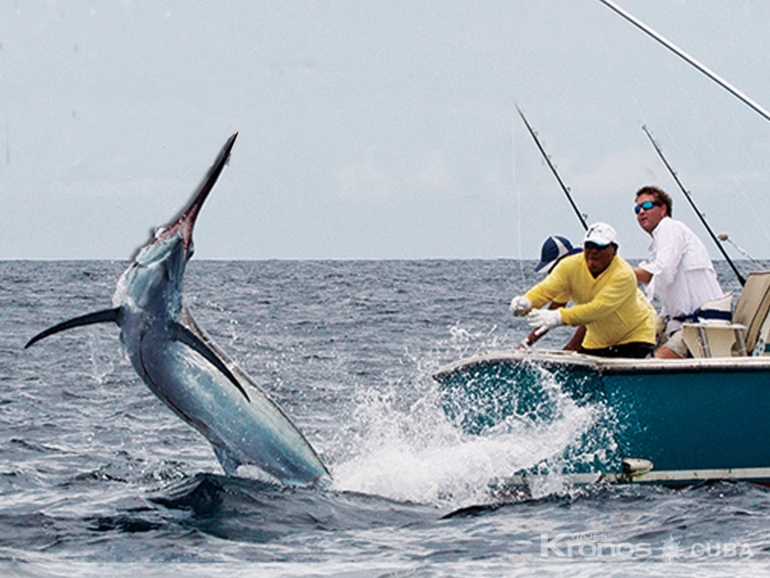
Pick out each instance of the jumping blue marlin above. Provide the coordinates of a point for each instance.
(186, 369)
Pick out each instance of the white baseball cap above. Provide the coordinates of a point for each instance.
(601, 234)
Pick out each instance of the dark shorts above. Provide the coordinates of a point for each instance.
(636, 350)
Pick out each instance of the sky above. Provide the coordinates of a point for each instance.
(374, 130)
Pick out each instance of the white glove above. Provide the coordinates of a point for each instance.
(520, 305)
(548, 318)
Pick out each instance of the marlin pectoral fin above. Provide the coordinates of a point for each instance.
(105, 316)
(180, 333)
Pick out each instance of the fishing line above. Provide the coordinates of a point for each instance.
(581, 217)
(754, 213)
(715, 159)
(517, 193)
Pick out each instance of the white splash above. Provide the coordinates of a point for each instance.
(414, 453)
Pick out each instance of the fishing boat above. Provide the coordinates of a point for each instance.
(656, 421)
(660, 421)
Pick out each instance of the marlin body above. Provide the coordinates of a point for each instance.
(187, 370)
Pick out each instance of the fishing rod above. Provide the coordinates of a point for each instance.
(538, 332)
(547, 158)
(687, 195)
(689, 59)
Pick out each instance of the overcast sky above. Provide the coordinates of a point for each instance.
(373, 129)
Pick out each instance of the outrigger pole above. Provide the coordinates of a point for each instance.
(547, 158)
(692, 204)
(689, 59)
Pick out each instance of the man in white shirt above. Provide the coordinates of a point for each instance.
(679, 270)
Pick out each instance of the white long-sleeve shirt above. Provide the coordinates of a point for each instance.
(683, 276)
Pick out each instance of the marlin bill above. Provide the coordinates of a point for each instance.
(188, 371)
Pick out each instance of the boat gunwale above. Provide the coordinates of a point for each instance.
(607, 365)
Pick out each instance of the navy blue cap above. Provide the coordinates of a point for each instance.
(554, 248)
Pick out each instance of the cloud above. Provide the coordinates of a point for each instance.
(367, 180)
(622, 171)
(130, 189)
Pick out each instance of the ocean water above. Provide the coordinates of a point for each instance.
(97, 477)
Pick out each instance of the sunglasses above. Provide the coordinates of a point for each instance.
(646, 205)
(591, 246)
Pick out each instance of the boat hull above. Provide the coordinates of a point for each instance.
(692, 419)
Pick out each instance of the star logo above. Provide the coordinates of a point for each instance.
(670, 550)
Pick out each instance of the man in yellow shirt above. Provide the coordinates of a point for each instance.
(619, 320)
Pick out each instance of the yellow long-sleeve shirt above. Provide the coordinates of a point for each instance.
(611, 306)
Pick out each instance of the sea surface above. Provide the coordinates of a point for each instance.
(97, 477)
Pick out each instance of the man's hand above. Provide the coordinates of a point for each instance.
(548, 318)
(642, 276)
(520, 305)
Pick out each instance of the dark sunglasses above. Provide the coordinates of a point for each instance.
(646, 205)
(591, 246)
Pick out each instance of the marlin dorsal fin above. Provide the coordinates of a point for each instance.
(105, 316)
(180, 333)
